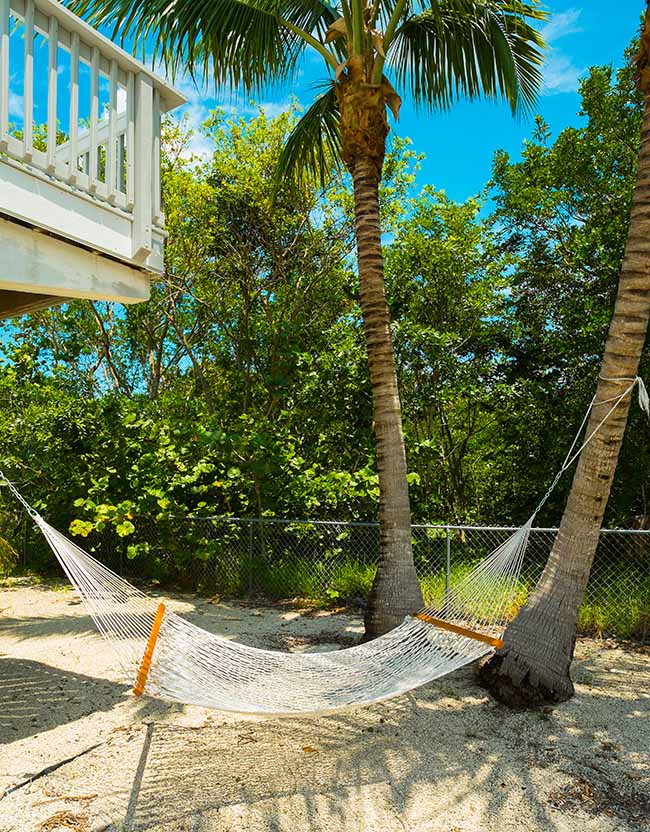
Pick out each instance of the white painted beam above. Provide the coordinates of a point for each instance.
(31, 261)
(39, 201)
(59, 209)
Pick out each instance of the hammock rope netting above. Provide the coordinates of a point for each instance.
(168, 657)
(193, 666)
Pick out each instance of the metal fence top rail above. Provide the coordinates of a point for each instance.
(375, 524)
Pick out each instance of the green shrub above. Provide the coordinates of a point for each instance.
(8, 557)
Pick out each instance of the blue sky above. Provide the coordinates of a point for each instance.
(459, 144)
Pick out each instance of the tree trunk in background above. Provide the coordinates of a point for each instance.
(533, 666)
(364, 126)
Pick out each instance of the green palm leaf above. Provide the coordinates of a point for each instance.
(441, 49)
(313, 148)
(246, 43)
(469, 48)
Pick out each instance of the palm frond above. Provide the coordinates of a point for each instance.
(469, 49)
(237, 42)
(314, 145)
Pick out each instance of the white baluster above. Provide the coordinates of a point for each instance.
(112, 135)
(28, 82)
(142, 210)
(73, 169)
(52, 76)
(5, 14)
(121, 162)
(155, 162)
(93, 168)
(130, 140)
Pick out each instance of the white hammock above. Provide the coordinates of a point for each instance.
(168, 657)
(172, 659)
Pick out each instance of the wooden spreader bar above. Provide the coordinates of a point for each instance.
(141, 680)
(497, 643)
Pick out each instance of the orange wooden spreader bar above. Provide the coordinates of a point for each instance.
(462, 631)
(141, 680)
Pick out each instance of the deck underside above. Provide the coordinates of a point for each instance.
(19, 303)
(37, 270)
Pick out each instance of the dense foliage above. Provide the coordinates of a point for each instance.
(241, 387)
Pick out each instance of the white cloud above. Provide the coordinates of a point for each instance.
(196, 111)
(561, 74)
(201, 100)
(15, 104)
(272, 109)
(562, 24)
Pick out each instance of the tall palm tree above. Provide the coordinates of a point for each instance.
(438, 51)
(533, 667)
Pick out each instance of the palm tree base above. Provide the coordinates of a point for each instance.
(392, 598)
(516, 690)
(532, 668)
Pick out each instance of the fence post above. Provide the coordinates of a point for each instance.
(447, 569)
(250, 557)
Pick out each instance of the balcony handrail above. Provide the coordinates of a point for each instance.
(70, 23)
(115, 158)
(83, 138)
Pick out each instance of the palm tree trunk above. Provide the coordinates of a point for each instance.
(396, 590)
(533, 667)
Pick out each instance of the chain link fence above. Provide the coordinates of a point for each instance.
(335, 562)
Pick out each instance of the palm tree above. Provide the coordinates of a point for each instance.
(533, 667)
(439, 51)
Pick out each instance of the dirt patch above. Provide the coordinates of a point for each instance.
(602, 799)
(82, 750)
(295, 644)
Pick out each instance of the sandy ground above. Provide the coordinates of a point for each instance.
(443, 759)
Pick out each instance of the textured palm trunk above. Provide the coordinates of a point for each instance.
(396, 590)
(533, 667)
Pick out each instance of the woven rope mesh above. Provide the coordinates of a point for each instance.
(193, 666)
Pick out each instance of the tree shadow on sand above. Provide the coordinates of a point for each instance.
(35, 697)
(374, 768)
(227, 620)
(367, 769)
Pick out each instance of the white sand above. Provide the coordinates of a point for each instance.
(443, 759)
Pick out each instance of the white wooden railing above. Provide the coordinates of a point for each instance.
(108, 152)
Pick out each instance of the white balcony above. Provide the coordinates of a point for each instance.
(80, 212)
